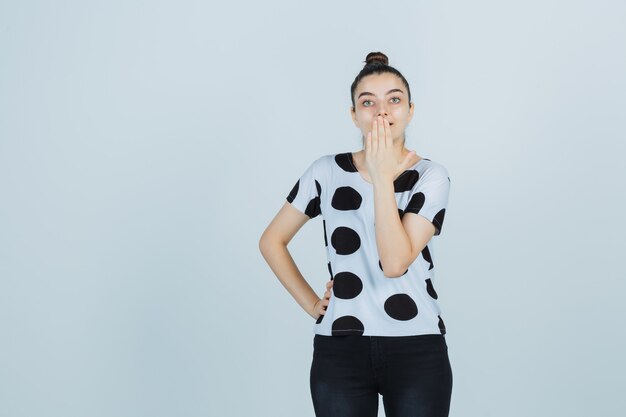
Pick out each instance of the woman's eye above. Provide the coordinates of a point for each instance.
(369, 101)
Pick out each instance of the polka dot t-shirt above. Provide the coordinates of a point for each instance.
(363, 300)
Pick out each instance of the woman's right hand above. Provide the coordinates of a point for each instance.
(320, 306)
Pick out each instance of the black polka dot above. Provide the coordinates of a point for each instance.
(325, 237)
(347, 325)
(406, 181)
(431, 289)
(344, 160)
(442, 326)
(438, 219)
(346, 198)
(427, 258)
(347, 285)
(415, 203)
(345, 240)
(294, 192)
(401, 307)
(313, 208)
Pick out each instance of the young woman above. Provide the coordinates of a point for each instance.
(378, 329)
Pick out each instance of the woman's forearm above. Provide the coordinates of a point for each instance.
(392, 241)
(282, 264)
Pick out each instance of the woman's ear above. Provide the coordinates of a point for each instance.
(353, 115)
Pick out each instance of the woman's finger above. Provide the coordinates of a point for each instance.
(374, 136)
(381, 131)
(388, 137)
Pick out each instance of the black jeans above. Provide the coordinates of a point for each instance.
(412, 373)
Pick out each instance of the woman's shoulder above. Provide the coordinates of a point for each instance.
(431, 166)
(432, 172)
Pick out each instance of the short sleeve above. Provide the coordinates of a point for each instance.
(429, 196)
(305, 194)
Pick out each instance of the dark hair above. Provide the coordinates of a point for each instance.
(377, 63)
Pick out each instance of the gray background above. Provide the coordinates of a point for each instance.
(146, 145)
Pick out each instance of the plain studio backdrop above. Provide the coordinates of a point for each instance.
(145, 146)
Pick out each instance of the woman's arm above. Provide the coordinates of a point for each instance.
(397, 247)
(273, 246)
(399, 242)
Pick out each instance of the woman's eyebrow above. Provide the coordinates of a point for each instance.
(393, 90)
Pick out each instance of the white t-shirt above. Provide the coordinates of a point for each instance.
(363, 300)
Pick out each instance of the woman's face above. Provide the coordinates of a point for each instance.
(382, 94)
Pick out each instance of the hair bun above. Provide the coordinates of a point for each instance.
(376, 57)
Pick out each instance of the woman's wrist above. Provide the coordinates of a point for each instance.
(314, 313)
